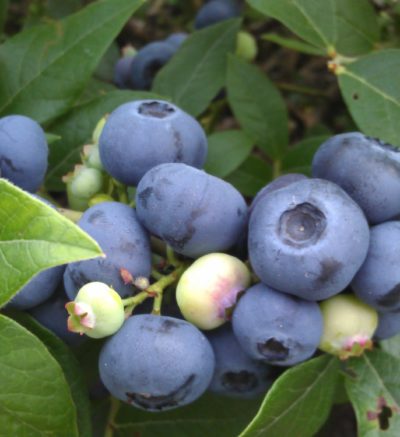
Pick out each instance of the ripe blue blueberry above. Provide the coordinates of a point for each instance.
(139, 135)
(378, 281)
(215, 11)
(276, 328)
(388, 325)
(156, 363)
(123, 240)
(308, 239)
(366, 168)
(23, 152)
(147, 62)
(236, 374)
(122, 72)
(176, 39)
(192, 211)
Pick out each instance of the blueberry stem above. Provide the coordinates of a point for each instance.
(171, 257)
(276, 168)
(110, 427)
(156, 275)
(121, 191)
(70, 214)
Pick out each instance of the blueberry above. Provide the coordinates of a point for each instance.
(236, 374)
(23, 152)
(209, 288)
(176, 39)
(41, 286)
(122, 72)
(366, 168)
(216, 11)
(308, 239)
(276, 328)
(147, 62)
(156, 363)
(276, 184)
(123, 240)
(378, 281)
(388, 325)
(192, 211)
(53, 316)
(142, 134)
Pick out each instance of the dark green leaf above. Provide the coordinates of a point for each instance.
(299, 402)
(35, 400)
(294, 44)
(298, 158)
(68, 364)
(251, 176)
(348, 27)
(33, 237)
(226, 151)
(373, 387)
(3, 14)
(76, 129)
(372, 93)
(258, 106)
(210, 416)
(46, 67)
(197, 72)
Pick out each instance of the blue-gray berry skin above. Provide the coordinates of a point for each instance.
(277, 328)
(366, 168)
(308, 239)
(276, 184)
(388, 325)
(192, 211)
(122, 72)
(147, 62)
(236, 374)
(53, 316)
(142, 134)
(176, 39)
(157, 363)
(216, 11)
(377, 282)
(23, 152)
(125, 243)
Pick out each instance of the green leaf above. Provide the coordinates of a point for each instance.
(298, 159)
(35, 400)
(258, 106)
(211, 416)
(251, 176)
(373, 387)
(299, 402)
(34, 237)
(226, 151)
(392, 346)
(293, 44)
(196, 73)
(76, 129)
(372, 93)
(68, 363)
(348, 27)
(46, 67)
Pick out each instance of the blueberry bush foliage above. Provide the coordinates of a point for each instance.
(321, 68)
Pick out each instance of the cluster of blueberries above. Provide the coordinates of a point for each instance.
(323, 251)
(137, 70)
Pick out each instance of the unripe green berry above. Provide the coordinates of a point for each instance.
(92, 157)
(349, 325)
(246, 46)
(209, 288)
(97, 311)
(86, 182)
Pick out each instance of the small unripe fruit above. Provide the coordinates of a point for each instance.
(349, 325)
(86, 182)
(208, 289)
(246, 46)
(97, 311)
